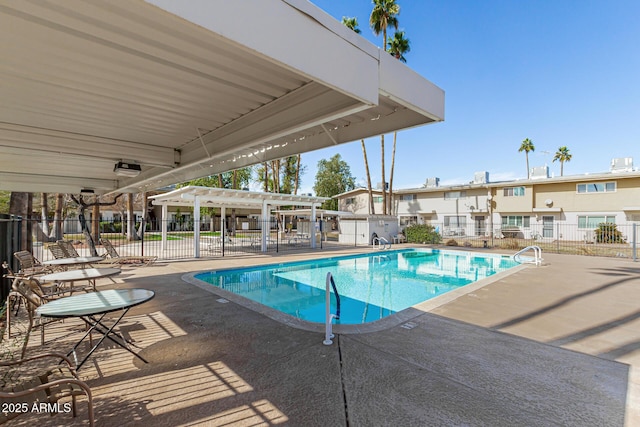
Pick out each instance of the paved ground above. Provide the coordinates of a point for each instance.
(552, 345)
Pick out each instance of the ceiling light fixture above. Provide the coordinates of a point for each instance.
(127, 169)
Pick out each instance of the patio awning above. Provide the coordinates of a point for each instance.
(186, 89)
(223, 197)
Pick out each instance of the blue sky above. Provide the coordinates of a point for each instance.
(559, 72)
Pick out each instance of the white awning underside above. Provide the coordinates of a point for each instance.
(187, 90)
(224, 197)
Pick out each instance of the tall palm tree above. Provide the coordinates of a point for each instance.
(384, 185)
(398, 46)
(384, 14)
(527, 146)
(372, 209)
(562, 155)
(351, 23)
(393, 163)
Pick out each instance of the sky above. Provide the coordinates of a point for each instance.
(559, 72)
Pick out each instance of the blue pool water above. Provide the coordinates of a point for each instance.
(371, 286)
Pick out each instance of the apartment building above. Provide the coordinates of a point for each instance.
(539, 207)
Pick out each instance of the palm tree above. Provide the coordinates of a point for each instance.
(562, 155)
(527, 146)
(351, 23)
(384, 14)
(398, 46)
(384, 184)
(372, 209)
(393, 163)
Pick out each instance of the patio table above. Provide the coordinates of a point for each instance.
(91, 305)
(65, 262)
(88, 274)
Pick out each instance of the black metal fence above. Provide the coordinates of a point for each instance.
(241, 238)
(244, 237)
(605, 239)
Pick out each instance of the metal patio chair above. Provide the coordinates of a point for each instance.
(113, 256)
(29, 264)
(68, 249)
(23, 384)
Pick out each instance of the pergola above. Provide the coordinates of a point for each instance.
(198, 197)
(183, 90)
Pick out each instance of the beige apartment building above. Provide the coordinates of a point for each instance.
(542, 207)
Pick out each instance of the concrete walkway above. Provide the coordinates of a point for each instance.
(551, 345)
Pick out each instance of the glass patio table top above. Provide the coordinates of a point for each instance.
(94, 303)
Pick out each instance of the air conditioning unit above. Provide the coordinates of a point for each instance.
(127, 169)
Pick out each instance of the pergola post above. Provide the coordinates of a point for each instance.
(223, 223)
(312, 232)
(196, 227)
(265, 226)
(164, 221)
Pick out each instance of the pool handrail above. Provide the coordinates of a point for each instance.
(328, 315)
(537, 255)
(381, 243)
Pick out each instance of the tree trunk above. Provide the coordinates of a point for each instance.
(95, 221)
(131, 224)
(85, 231)
(295, 187)
(21, 204)
(266, 177)
(393, 163)
(44, 213)
(145, 215)
(58, 220)
(372, 209)
(384, 190)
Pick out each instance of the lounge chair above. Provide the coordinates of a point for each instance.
(34, 295)
(29, 264)
(57, 251)
(43, 386)
(113, 256)
(68, 249)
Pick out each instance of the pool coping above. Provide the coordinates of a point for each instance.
(385, 323)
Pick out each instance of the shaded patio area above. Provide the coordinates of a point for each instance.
(557, 344)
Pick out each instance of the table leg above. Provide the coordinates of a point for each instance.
(107, 332)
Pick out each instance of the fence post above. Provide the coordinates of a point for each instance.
(557, 238)
(355, 233)
(635, 242)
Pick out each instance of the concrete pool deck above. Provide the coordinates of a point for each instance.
(557, 344)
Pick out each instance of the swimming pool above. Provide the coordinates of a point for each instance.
(371, 286)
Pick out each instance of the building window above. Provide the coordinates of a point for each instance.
(516, 221)
(406, 221)
(455, 221)
(350, 201)
(596, 187)
(408, 197)
(377, 199)
(513, 191)
(593, 221)
(451, 195)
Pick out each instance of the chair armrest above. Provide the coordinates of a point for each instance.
(40, 356)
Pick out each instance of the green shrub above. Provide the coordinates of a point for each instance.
(608, 233)
(421, 233)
